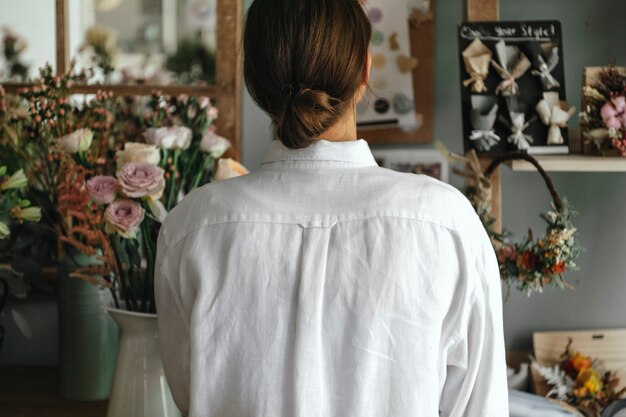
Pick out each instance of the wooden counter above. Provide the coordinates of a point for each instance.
(32, 392)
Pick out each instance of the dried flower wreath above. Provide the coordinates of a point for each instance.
(531, 264)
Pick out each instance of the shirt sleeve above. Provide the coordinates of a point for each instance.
(173, 326)
(476, 382)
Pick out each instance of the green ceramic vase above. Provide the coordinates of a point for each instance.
(88, 336)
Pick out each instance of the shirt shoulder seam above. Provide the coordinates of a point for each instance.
(186, 234)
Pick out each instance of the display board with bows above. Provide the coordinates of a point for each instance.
(513, 87)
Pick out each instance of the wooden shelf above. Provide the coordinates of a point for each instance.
(573, 163)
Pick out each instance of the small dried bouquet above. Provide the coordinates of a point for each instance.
(581, 381)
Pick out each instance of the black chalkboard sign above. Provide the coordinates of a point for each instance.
(492, 102)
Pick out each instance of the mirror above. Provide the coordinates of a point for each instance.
(27, 38)
(153, 42)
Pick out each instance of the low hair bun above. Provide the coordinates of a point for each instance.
(308, 113)
(304, 63)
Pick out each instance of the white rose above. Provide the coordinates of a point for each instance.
(77, 141)
(169, 137)
(229, 168)
(214, 144)
(138, 152)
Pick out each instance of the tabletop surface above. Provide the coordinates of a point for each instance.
(32, 392)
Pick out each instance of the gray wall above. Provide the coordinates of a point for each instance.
(589, 39)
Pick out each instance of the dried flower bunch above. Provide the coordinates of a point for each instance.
(580, 381)
(35, 127)
(531, 264)
(604, 113)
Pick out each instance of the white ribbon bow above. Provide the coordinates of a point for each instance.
(484, 139)
(555, 115)
(521, 140)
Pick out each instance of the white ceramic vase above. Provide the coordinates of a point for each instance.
(139, 385)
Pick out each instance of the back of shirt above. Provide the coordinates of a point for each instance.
(323, 285)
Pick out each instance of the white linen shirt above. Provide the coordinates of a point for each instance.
(322, 285)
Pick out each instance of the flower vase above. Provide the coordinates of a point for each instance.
(139, 386)
(88, 337)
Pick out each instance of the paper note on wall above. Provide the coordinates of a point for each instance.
(391, 102)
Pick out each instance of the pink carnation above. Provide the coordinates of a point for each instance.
(124, 216)
(140, 179)
(102, 189)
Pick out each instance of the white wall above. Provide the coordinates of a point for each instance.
(34, 21)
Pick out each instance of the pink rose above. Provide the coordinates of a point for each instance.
(172, 137)
(140, 179)
(124, 217)
(614, 113)
(102, 189)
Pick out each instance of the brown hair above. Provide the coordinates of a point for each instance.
(304, 61)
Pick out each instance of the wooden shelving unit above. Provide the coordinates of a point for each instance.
(573, 163)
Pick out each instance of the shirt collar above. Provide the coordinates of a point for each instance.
(354, 152)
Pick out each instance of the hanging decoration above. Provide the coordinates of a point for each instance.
(533, 263)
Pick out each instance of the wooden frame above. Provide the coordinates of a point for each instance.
(477, 11)
(226, 91)
(422, 33)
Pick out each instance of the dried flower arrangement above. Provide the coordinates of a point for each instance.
(580, 381)
(603, 117)
(115, 204)
(107, 170)
(531, 264)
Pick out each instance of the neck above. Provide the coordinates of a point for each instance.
(342, 131)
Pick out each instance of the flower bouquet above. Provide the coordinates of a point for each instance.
(603, 117)
(115, 210)
(581, 382)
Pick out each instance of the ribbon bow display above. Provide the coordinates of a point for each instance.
(512, 65)
(477, 58)
(543, 68)
(555, 115)
(483, 118)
